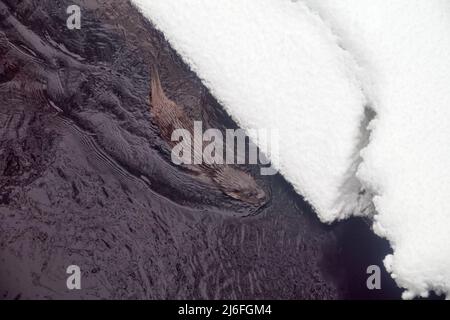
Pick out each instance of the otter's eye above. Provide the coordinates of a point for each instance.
(234, 194)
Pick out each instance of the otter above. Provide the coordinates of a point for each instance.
(168, 116)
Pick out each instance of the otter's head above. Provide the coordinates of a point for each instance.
(240, 185)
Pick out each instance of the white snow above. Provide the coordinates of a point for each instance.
(276, 64)
(404, 47)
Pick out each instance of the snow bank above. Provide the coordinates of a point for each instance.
(274, 65)
(404, 46)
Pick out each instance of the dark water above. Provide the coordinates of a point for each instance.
(85, 179)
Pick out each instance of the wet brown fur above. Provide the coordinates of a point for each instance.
(168, 116)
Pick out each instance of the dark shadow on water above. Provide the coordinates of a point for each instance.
(360, 248)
